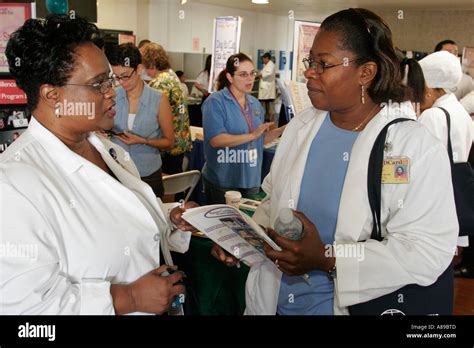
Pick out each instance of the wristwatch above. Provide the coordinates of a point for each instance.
(332, 273)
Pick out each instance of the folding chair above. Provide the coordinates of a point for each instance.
(181, 182)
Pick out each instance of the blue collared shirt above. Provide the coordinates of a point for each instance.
(232, 167)
(146, 158)
(321, 190)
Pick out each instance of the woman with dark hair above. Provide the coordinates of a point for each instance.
(93, 228)
(201, 86)
(412, 76)
(164, 79)
(143, 123)
(234, 133)
(321, 169)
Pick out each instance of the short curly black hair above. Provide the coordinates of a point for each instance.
(42, 52)
(126, 54)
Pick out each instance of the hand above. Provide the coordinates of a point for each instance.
(176, 217)
(152, 293)
(257, 133)
(103, 134)
(273, 134)
(130, 138)
(300, 256)
(223, 256)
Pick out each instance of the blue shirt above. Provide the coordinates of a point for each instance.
(231, 167)
(146, 158)
(320, 194)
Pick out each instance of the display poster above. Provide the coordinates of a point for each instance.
(226, 42)
(304, 34)
(12, 16)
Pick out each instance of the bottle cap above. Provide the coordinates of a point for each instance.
(286, 215)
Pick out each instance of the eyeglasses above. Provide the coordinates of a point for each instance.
(319, 67)
(244, 74)
(101, 87)
(125, 78)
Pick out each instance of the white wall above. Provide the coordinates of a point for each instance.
(117, 14)
(161, 21)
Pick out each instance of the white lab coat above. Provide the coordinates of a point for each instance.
(418, 219)
(84, 229)
(266, 88)
(461, 131)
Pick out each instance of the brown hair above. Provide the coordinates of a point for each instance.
(231, 67)
(155, 56)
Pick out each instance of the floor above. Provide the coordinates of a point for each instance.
(463, 296)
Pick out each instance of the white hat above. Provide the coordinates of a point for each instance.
(441, 70)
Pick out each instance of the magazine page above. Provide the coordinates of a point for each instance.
(234, 231)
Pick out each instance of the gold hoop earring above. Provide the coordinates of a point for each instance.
(362, 94)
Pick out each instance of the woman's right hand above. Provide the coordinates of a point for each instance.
(257, 133)
(152, 293)
(223, 256)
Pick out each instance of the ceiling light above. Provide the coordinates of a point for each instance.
(260, 2)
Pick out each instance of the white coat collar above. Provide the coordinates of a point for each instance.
(59, 152)
(444, 99)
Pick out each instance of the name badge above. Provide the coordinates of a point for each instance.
(253, 157)
(396, 170)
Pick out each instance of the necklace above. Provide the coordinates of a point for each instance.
(365, 119)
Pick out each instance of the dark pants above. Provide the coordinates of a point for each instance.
(155, 180)
(172, 164)
(269, 110)
(216, 195)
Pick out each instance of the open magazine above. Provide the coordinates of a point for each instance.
(234, 231)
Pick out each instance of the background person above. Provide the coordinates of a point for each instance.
(266, 87)
(201, 86)
(143, 117)
(233, 121)
(182, 80)
(164, 79)
(437, 73)
(465, 85)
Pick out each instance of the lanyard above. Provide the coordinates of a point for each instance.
(249, 123)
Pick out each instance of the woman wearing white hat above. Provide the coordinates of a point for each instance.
(439, 71)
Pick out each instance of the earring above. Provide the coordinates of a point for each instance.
(362, 94)
(57, 111)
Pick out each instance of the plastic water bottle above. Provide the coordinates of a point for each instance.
(176, 307)
(288, 225)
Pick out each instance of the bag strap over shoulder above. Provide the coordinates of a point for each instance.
(374, 178)
(450, 148)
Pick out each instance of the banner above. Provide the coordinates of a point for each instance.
(304, 34)
(226, 42)
(10, 93)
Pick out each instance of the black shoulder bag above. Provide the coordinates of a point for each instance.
(411, 299)
(463, 186)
